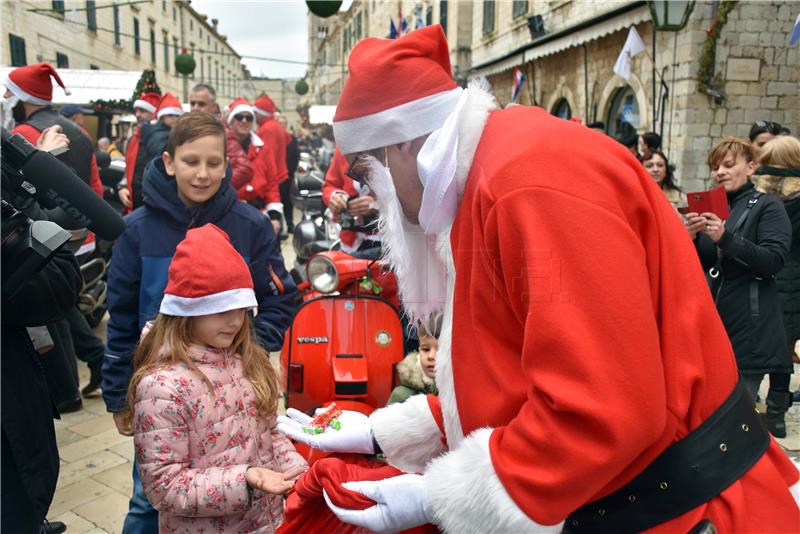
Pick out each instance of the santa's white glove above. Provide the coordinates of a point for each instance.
(354, 436)
(401, 503)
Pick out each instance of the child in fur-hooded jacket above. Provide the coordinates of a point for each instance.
(417, 371)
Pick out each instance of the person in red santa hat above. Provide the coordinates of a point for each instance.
(262, 191)
(153, 142)
(603, 394)
(144, 108)
(29, 94)
(275, 135)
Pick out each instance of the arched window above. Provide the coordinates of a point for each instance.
(561, 109)
(623, 112)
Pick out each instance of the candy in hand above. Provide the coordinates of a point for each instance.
(325, 418)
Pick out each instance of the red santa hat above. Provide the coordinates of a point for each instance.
(207, 275)
(169, 105)
(264, 106)
(32, 83)
(397, 90)
(148, 102)
(240, 105)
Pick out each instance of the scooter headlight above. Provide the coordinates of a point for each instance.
(322, 274)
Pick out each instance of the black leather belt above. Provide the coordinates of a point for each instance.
(690, 472)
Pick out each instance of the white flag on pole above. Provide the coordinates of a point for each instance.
(633, 46)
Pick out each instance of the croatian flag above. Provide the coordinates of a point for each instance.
(392, 29)
(519, 81)
(795, 32)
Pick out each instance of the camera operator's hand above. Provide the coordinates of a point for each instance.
(123, 422)
(51, 139)
(361, 206)
(337, 202)
(124, 195)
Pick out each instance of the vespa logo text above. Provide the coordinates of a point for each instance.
(316, 340)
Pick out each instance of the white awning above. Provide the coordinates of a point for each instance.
(577, 38)
(86, 86)
(321, 114)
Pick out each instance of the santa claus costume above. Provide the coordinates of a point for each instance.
(585, 380)
(147, 102)
(264, 185)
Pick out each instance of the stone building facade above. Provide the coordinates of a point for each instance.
(567, 49)
(283, 93)
(122, 35)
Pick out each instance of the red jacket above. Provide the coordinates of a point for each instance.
(337, 182)
(240, 165)
(273, 135)
(583, 340)
(131, 151)
(264, 183)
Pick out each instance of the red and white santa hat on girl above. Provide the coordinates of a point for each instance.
(207, 275)
(148, 102)
(264, 106)
(32, 83)
(169, 105)
(397, 90)
(240, 105)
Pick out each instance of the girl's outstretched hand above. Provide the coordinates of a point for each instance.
(270, 481)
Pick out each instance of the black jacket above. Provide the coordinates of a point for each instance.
(788, 279)
(27, 411)
(152, 144)
(81, 152)
(746, 293)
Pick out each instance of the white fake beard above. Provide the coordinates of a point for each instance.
(413, 256)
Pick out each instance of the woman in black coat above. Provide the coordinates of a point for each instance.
(742, 256)
(779, 173)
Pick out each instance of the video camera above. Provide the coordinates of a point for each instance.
(30, 178)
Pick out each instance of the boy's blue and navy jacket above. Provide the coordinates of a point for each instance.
(137, 275)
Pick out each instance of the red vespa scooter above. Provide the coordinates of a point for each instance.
(345, 339)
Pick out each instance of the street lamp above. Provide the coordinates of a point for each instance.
(670, 15)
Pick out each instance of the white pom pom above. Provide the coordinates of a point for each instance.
(67, 91)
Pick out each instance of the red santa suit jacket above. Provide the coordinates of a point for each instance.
(337, 182)
(603, 348)
(264, 184)
(273, 135)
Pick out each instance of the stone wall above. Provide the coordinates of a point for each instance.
(755, 68)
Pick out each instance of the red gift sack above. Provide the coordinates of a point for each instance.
(306, 510)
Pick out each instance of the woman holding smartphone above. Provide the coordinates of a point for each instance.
(741, 257)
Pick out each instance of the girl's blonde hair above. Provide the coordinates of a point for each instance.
(167, 343)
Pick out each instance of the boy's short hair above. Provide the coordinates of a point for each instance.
(652, 140)
(194, 125)
(735, 145)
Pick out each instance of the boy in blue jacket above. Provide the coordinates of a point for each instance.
(186, 188)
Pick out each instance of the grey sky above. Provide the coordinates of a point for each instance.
(266, 28)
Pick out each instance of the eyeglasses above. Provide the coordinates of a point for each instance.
(243, 117)
(771, 127)
(359, 168)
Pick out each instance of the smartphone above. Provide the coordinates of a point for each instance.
(713, 201)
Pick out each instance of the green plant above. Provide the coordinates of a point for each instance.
(147, 84)
(706, 70)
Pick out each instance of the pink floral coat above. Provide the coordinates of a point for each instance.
(194, 447)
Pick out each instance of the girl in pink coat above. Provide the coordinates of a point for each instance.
(204, 399)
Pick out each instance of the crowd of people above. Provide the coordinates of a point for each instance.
(551, 415)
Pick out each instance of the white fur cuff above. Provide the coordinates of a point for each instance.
(467, 496)
(407, 434)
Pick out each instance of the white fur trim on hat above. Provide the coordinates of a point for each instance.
(240, 108)
(407, 433)
(466, 494)
(233, 299)
(255, 140)
(23, 95)
(145, 105)
(169, 111)
(262, 112)
(395, 125)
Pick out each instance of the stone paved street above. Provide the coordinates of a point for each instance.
(96, 462)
